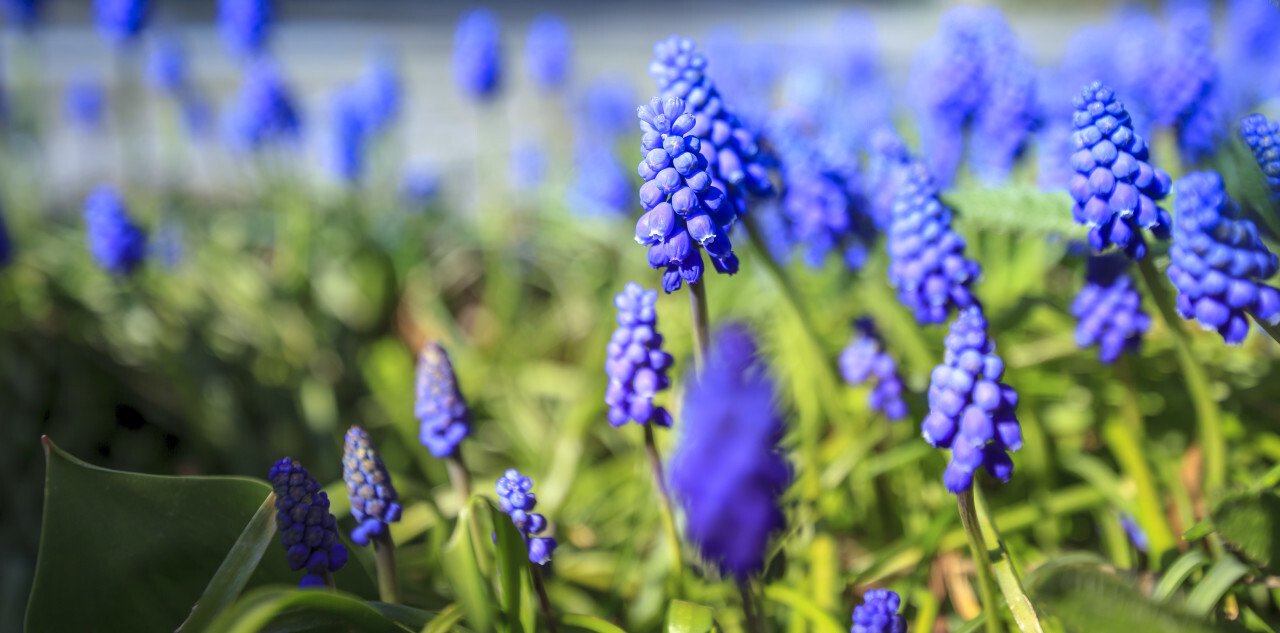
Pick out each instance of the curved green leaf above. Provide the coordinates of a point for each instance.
(411, 618)
(591, 623)
(234, 572)
(1215, 584)
(687, 617)
(1179, 571)
(822, 621)
(271, 610)
(472, 589)
(1250, 524)
(444, 621)
(513, 563)
(1086, 599)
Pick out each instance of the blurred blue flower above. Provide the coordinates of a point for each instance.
(635, 363)
(1136, 534)
(548, 51)
(1108, 309)
(1252, 46)
(728, 471)
(1187, 92)
(262, 114)
(477, 54)
(1263, 138)
(825, 212)
(864, 359)
(1053, 156)
(607, 107)
(167, 247)
(528, 167)
(245, 26)
(6, 244)
(878, 613)
(887, 167)
(120, 21)
(600, 184)
(197, 117)
(1005, 122)
(308, 529)
(115, 242)
(439, 405)
(419, 185)
(516, 498)
(1136, 55)
(373, 498)
(22, 14)
(85, 103)
(167, 67)
(379, 89)
(348, 135)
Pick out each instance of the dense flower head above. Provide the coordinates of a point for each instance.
(1263, 138)
(115, 242)
(373, 498)
(927, 264)
(878, 613)
(85, 102)
(683, 210)
(865, 359)
(636, 365)
(600, 184)
(1005, 121)
(244, 26)
(477, 54)
(548, 50)
(516, 498)
(167, 67)
(120, 22)
(1108, 310)
(970, 411)
(1115, 187)
(262, 114)
(440, 407)
(1218, 260)
(22, 14)
(307, 528)
(732, 153)
(1187, 90)
(727, 471)
(826, 211)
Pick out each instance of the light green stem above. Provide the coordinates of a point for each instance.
(668, 515)
(700, 318)
(1024, 614)
(783, 280)
(459, 477)
(969, 518)
(384, 558)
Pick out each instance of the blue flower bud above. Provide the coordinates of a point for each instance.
(516, 498)
(878, 613)
(440, 407)
(307, 529)
(373, 498)
(117, 245)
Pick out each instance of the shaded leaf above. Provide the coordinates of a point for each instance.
(592, 623)
(236, 569)
(1086, 599)
(1250, 524)
(445, 620)
(1215, 584)
(687, 617)
(470, 587)
(271, 610)
(1178, 573)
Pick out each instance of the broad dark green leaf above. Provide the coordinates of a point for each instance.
(1250, 524)
(471, 588)
(277, 610)
(236, 569)
(687, 617)
(513, 564)
(1086, 599)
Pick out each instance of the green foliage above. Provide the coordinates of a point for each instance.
(1250, 524)
(234, 572)
(687, 617)
(1086, 599)
(286, 610)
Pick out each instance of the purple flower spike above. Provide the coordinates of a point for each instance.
(116, 243)
(516, 498)
(307, 528)
(866, 359)
(1109, 310)
(440, 407)
(548, 51)
(477, 55)
(1263, 138)
(878, 613)
(373, 498)
(636, 365)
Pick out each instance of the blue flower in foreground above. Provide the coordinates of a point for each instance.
(682, 209)
(866, 359)
(728, 471)
(115, 242)
(85, 103)
(307, 528)
(23, 14)
(1108, 309)
(440, 407)
(970, 411)
(927, 263)
(1263, 138)
(477, 54)
(244, 26)
(636, 365)
(263, 112)
(373, 498)
(516, 498)
(167, 67)
(1218, 261)
(120, 21)
(1115, 189)
(878, 613)
(548, 50)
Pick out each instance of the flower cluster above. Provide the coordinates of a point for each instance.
(682, 209)
(516, 498)
(1188, 84)
(1108, 309)
(606, 106)
(1005, 121)
(636, 365)
(440, 407)
(1115, 189)
(373, 498)
(115, 242)
(865, 359)
(1217, 260)
(120, 21)
(1263, 138)
(878, 613)
(728, 471)
(85, 103)
(927, 264)
(263, 112)
(826, 213)
(307, 528)
(970, 411)
(547, 52)
(244, 26)
(477, 54)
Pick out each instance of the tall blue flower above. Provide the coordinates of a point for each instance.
(307, 528)
(1138, 47)
(1252, 45)
(548, 50)
(927, 264)
(636, 365)
(864, 359)
(970, 411)
(115, 242)
(373, 498)
(262, 114)
(600, 185)
(606, 106)
(1263, 138)
(682, 208)
(477, 54)
(1115, 188)
(1005, 121)
(516, 498)
(440, 407)
(1108, 309)
(878, 613)
(379, 89)
(1217, 260)
(245, 26)
(85, 103)
(348, 135)
(167, 67)
(1187, 88)
(22, 14)
(728, 471)
(120, 21)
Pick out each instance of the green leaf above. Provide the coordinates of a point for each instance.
(687, 617)
(1215, 584)
(1199, 530)
(270, 610)
(444, 621)
(410, 617)
(1021, 209)
(591, 623)
(1086, 599)
(822, 621)
(513, 563)
(472, 589)
(236, 569)
(1178, 572)
(1250, 524)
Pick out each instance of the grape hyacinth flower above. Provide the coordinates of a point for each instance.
(167, 247)
(878, 613)
(1187, 91)
(1115, 189)
(115, 242)
(244, 26)
(347, 135)
(826, 211)
(1004, 123)
(263, 113)
(373, 498)
(865, 359)
(167, 67)
(516, 498)
(419, 185)
(886, 169)
(477, 54)
(1252, 44)
(728, 471)
(120, 22)
(1136, 534)
(636, 365)
(85, 103)
(440, 407)
(1218, 261)
(547, 52)
(1263, 138)
(927, 264)
(21, 14)
(379, 90)
(682, 208)
(600, 186)
(970, 411)
(606, 107)
(307, 528)
(1108, 309)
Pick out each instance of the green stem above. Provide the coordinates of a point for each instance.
(1024, 614)
(969, 518)
(1211, 439)
(459, 477)
(783, 280)
(1270, 328)
(541, 589)
(328, 580)
(384, 558)
(701, 329)
(749, 612)
(668, 515)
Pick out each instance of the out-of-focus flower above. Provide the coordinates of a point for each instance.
(477, 54)
(22, 14)
(6, 244)
(1187, 91)
(85, 103)
(115, 242)
(167, 247)
(379, 90)
(1263, 138)
(120, 21)
(1108, 309)
(419, 185)
(262, 113)
(878, 613)
(1252, 46)
(864, 359)
(1136, 534)
(548, 50)
(348, 135)
(636, 365)
(600, 185)
(886, 170)
(197, 117)
(607, 107)
(167, 67)
(245, 26)
(308, 530)
(373, 498)
(440, 407)
(1005, 121)
(516, 498)
(528, 167)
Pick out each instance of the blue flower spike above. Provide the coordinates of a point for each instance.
(865, 359)
(308, 530)
(878, 613)
(440, 407)
(1263, 138)
(1108, 310)
(636, 365)
(516, 498)
(477, 55)
(245, 26)
(373, 498)
(116, 243)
